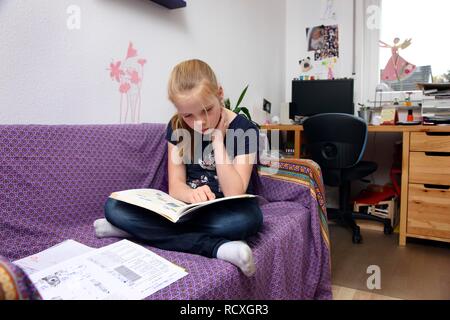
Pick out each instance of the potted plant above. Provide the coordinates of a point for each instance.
(236, 109)
(365, 112)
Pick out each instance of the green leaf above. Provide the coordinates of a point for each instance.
(246, 112)
(242, 96)
(227, 103)
(237, 110)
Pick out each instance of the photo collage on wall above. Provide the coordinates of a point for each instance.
(324, 41)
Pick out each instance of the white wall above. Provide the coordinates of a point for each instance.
(52, 75)
(302, 14)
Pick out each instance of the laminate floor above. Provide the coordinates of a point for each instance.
(342, 293)
(421, 270)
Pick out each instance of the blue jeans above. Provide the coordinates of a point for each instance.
(202, 233)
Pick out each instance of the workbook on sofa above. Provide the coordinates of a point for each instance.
(122, 270)
(165, 205)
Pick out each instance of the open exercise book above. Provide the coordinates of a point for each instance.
(123, 270)
(165, 205)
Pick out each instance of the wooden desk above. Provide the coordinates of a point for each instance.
(425, 187)
(296, 128)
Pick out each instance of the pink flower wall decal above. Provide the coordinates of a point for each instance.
(116, 72)
(131, 51)
(124, 87)
(129, 73)
(134, 76)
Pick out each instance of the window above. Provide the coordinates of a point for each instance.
(425, 58)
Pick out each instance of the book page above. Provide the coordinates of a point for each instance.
(122, 270)
(51, 256)
(167, 206)
(152, 199)
(195, 206)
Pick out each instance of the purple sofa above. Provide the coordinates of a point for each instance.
(54, 180)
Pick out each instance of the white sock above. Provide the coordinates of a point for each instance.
(104, 229)
(239, 254)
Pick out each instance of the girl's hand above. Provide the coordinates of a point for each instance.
(221, 128)
(201, 194)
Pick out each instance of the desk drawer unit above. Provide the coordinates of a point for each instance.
(429, 186)
(429, 168)
(430, 141)
(429, 211)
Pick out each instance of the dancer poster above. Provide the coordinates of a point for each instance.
(397, 68)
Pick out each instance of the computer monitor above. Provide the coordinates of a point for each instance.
(311, 97)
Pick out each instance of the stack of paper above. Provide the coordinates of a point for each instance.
(436, 103)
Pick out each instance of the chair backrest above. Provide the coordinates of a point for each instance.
(335, 140)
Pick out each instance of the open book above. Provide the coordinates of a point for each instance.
(123, 270)
(165, 205)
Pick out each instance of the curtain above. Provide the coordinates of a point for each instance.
(367, 35)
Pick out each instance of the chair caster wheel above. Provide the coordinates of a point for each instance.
(357, 238)
(388, 229)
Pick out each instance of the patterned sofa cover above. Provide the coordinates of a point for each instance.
(54, 180)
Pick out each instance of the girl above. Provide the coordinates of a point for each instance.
(203, 170)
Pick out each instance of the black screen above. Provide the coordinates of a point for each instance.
(321, 96)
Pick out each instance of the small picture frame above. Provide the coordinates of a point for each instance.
(388, 116)
(267, 106)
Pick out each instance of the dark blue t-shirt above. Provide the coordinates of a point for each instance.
(202, 169)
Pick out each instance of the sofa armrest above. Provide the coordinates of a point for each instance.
(15, 284)
(299, 171)
(297, 180)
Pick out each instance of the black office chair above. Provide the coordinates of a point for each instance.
(336, 142)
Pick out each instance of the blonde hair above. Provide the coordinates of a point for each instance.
(189, 75)
(185, 77)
